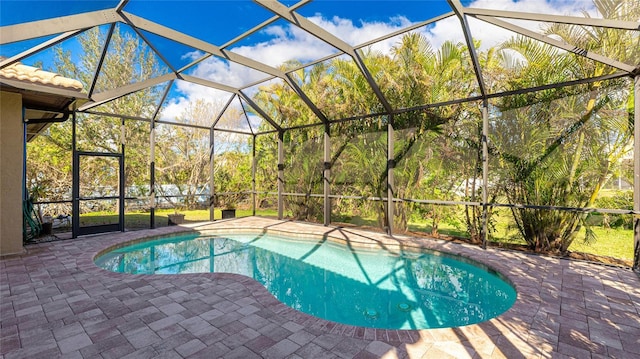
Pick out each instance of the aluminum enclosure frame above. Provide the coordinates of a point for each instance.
(72, 25)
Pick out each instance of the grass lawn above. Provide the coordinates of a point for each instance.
(613, 242)
(140, 220)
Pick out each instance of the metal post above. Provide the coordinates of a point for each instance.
(121, 206)
(636, 173)
(152, 174)
(212, 191)
(326, 176)
(390, 178)
(25, 192)
(75, 204)
(485, 172)
(253, 174)
(280, 173)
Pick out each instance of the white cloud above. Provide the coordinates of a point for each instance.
(355, 35)
(560, 7)
(288, 42)
(491, 35)
(190, 92)
(226, 72)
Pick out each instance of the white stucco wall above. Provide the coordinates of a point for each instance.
(11, 159)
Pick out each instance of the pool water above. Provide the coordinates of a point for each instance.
(361, 287)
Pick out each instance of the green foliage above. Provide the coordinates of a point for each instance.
(49, 155)
(554, 147)
(559, 147)
(619, 200)
(232, 177)
(567, 161)
(182, 156)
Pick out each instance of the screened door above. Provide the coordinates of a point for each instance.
(98, 201)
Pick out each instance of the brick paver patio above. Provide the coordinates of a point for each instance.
(56, 303)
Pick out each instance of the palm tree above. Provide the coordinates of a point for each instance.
(557, 147)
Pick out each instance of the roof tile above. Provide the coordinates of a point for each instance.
(35, 75)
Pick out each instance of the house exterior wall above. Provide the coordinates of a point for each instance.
(11, 160)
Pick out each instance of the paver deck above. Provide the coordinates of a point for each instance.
(55, 302)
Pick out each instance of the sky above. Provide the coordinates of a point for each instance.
(218, 22)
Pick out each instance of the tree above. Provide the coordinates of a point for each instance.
(49, 155)
(554, 147)
(440, 143)
(359, 147)
(558, 147)
(182, 156)
(233, 162)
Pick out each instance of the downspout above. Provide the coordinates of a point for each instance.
(24, 172)
(636, 174)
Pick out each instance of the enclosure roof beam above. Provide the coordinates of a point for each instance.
(45, 45)
(372, 83)
(582, 81)
(226, 105)
(306, 125)
(234, 131)
(316, 111)
(317, 31)
(121, 5)
(256, 83)
(153, 48)
(103, 54)
(460, 12)
(194, 62)
(198, 44)
(106, 96)
(208, 83)
(470, 99)
(306, 25)
(260, 26)
(559, 44)
(296, 89)
(246, 117)
(162, 100)
(35, 29)
(516, 92)
(249, 32)
(406, 29)
(561, 19)
(116, 115)
(144, 119)
(260, 111)
(182, 124)
(315, 62)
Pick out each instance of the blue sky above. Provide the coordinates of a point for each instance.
(16, 11)
(197, 18)
(219, 21)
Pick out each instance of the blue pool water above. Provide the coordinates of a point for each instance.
(362, 287)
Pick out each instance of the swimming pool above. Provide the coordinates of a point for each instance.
(377, 288)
